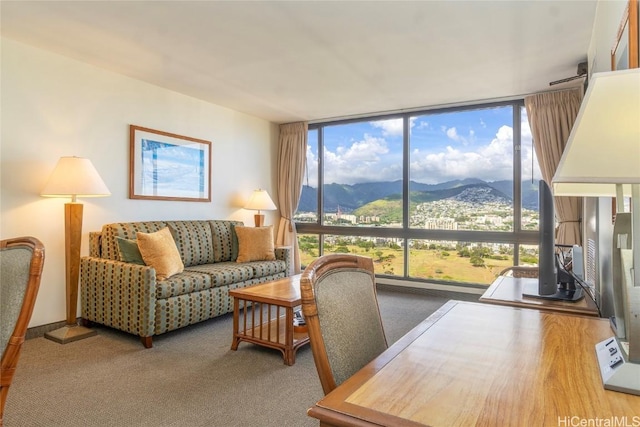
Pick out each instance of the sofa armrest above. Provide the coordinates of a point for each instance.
(95, 243)
(118, 294)
(285, 253)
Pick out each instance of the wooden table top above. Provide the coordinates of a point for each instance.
(506, 290)
(283, 292)
(480, 364)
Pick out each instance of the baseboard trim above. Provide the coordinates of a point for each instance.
(457, 295)
(417, 286)
(39, 331)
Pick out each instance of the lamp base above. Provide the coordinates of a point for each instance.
(259, 219)
(70, 333)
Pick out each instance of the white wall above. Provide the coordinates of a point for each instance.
(605, 29)
(53, 106)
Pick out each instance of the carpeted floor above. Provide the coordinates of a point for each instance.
(189, 378)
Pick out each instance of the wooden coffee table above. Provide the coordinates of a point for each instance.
(263, 315)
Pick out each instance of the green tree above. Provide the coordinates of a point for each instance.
(477, 261)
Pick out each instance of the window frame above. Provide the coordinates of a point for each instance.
(516, 237)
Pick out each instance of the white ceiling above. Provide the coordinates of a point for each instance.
(287, 61)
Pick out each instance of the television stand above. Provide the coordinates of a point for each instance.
(507, 290)
(563, 293)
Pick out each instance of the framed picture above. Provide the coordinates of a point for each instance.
(165, 166)
(624, 53)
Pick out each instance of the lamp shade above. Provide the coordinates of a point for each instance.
(75, 177)
(260, 201)
(604, 145)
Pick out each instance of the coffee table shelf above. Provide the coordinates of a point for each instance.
(274, 328)
(263, 315)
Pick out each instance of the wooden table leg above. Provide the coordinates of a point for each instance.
(289, 352)
(236, 323)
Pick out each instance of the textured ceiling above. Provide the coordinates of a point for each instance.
(302, 60)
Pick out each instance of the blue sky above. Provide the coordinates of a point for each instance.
(458, 145)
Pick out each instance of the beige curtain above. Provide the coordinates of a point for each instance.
(551, 117)
(292, 155)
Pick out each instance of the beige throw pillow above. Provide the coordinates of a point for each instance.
(255, 243)
(160, 252)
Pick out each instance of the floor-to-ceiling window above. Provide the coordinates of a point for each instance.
(447, 195)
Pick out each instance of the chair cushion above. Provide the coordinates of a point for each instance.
(14, 268)
(345, 323)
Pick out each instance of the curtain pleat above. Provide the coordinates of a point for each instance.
(292, 152)
(551, 117)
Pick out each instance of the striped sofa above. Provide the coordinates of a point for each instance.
(128, 297)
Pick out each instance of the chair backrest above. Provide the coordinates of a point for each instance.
(21, 262)
(340, 306)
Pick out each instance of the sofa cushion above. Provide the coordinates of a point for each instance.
(223, 235)
(126, 230)
(225, 273)
(129, 251)
(194, 242)
(267, 268)
(182, 283)
(160, 252)
(255, 244)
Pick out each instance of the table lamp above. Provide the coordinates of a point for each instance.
(73, 177)
(602, 159)
(260, 201)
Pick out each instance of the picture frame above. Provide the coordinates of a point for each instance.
(166, 166)
(625, 51)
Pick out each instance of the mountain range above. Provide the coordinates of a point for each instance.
(351, 197)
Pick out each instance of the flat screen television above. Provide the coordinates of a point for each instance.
(554, 282)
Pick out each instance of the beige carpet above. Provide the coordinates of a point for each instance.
(189, 378)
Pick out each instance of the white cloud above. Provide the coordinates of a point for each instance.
(452, 134)
(389, 127)
(529, 160)
(488, 162)
(370, 159)
(364, 161)
(422, 124)
(392, 127)
(311, 172)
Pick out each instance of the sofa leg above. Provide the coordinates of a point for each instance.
(147, 342)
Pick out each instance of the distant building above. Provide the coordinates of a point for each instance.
(440, 224)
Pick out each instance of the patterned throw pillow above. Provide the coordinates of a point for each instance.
(129, 251)
(255, 243)
(159, 251)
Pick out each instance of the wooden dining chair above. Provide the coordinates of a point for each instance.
(21, 262)
(340, 306)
